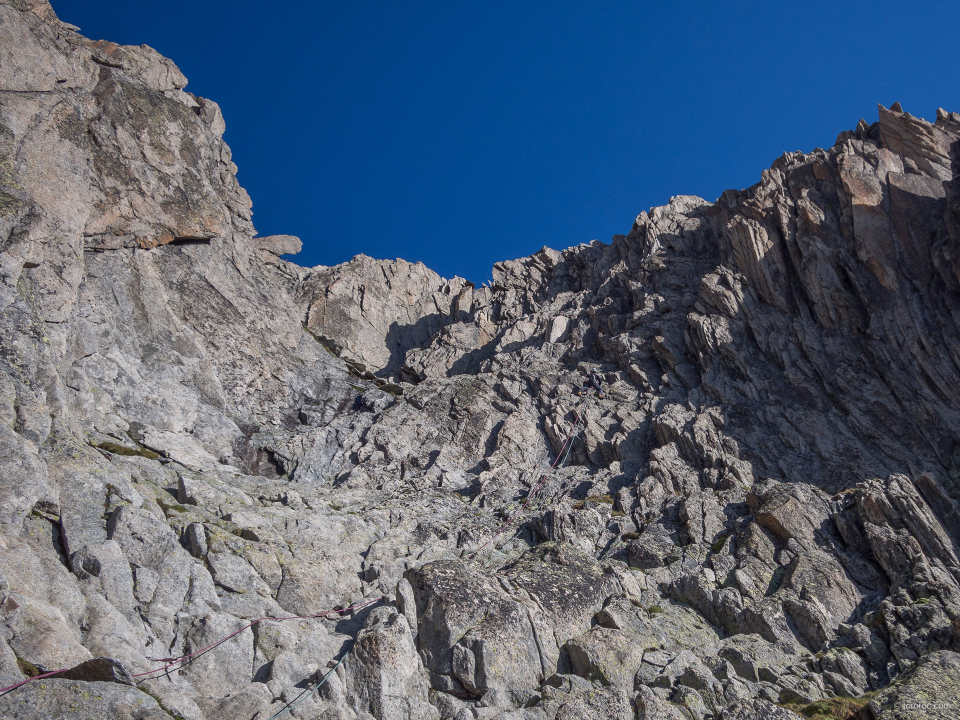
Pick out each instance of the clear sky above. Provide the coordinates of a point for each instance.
(462, 133)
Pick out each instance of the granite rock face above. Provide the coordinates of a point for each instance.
(195, 434)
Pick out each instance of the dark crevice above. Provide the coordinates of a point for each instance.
(107, 63)
(190, 241)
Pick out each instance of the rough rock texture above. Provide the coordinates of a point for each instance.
(196, 433)
(931, 689)
(374, 311)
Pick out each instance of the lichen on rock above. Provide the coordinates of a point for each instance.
(201, 441)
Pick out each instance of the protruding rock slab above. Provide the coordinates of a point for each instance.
(279, 244)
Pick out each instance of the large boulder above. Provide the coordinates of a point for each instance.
(470, 633)
(385, 673)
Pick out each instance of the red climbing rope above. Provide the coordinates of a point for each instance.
(540, 484)
(4, 691)
(183, 659)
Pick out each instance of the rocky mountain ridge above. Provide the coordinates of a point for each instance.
(761, 514)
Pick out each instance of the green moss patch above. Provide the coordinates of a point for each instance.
(8, 204)
(27, 668)
(720, 542)
(596, 500)
(835, 708)
(118, 449)
(171, 507)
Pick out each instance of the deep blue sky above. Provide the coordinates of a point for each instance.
(462, 133)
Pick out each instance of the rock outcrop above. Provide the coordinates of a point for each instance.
(203, 442)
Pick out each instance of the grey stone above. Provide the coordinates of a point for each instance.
(236, 574)
(756, 709)
(85, 701)
(24, 479)
(98, 670)
(606, 703)
(224, 669)
(606, 656)
(929, 690)
(385, 672)
(472, 632)
(651, 706)
(197, 537)
(771, 476)
(279, 244)
(246, 702)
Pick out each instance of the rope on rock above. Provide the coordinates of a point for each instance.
(184, 659)
(550, 496)
(172, 662)
(520, 513)
(11, 688)
(564, 452)
(307, 693)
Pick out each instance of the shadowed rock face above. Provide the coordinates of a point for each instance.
(195, 433)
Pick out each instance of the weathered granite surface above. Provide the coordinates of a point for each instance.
(196, 433)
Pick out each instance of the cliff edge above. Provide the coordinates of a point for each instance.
(233, 487)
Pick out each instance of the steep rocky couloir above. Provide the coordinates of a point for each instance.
(759, 515)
